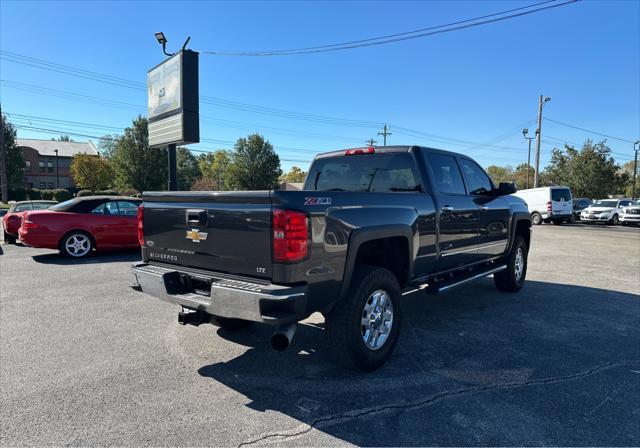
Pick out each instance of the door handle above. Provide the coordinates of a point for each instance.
(447, 209)
(484, 208)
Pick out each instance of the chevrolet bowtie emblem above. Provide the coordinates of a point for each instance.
(196, 236)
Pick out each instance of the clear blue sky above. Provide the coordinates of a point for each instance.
(473, 85)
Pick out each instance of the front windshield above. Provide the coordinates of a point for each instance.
(611, 204)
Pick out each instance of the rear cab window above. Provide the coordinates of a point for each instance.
(560, 194)
(382, 172)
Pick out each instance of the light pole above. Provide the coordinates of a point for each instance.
(525, 131)
(57, 179)
(543, 99)
(635, 167)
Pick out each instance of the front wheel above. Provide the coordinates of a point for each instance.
(614, 220)
(76, 244)
(512, 278)
(363, 329)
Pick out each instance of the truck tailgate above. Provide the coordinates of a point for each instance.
(218, 231)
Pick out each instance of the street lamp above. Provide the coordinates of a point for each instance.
(162, 41)
(635, 167)
(57, 179)
(525, 131)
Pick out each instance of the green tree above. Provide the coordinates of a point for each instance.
(254, 164)
(138, 167)
(14, 161)
(63, 138)
(627, 169)
(500, 173)
(107, 145)
(215, 167)
(188, 169)
(295, 174)
(590, 172)
(91, 172)
(520, 176)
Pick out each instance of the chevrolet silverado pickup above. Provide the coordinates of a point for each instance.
(370, 225)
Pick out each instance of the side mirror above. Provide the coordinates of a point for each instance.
(506, 188)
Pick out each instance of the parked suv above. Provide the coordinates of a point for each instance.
(605, 210)
(370, 224)
(630, 214)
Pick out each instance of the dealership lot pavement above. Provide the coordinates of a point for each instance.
(84, 360)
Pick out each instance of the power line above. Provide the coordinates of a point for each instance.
(588, 130)
(424, 32)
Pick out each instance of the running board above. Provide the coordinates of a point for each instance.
(464, 281)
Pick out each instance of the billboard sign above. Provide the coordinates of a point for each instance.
(173, 101)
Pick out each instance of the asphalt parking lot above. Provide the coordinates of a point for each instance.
(84, 360)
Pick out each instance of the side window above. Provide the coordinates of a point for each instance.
(106, 208)
(446, 174)
(624, 203)
(479, 182)
(41, 206)
(128, 208)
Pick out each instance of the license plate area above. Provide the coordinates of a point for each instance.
(180, 283)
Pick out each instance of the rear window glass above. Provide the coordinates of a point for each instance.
(42, 206)
(374, 172)
(560, 194)
(23, 208)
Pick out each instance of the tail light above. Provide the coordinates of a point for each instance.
(27, 222)
(549, 207)
(290, 236)
(141, 225)
(358, 151)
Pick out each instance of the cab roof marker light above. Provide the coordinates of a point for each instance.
(358, 151)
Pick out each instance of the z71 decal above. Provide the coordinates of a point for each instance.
(317, 201)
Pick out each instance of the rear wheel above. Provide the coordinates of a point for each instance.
(363, 329)
(558, 222)
(512, 278)
(536, 218)
(8, 239)
(229, 323)
(614, 220)
(77, 244)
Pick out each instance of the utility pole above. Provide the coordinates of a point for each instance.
(384, 133)
(370, 142)
(635, 167)
(525, 131)
(536, 178)
(4, 187)
(57, 178)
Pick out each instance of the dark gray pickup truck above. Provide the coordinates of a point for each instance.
(371, 224)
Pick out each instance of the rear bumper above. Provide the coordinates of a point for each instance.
(228, 297)
(629, 218)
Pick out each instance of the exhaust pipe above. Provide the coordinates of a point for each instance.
(282, 337)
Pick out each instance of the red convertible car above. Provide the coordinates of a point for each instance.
(11, 221)
(78, 226)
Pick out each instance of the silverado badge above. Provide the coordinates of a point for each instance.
(196, 236)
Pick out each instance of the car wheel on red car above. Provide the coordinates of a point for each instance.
(8, 239)
(76, 244)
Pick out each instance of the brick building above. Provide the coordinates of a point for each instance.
(40, 161)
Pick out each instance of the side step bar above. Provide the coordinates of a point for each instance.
(434, 288)
(464, 281)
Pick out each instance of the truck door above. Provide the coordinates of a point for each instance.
(457, 213)
(494, 212)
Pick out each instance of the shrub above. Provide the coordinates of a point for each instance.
(33, 194)
(129, 192)
(108, 193)
(84, 193)
(61, 195)
(46, 195)
(17, 194)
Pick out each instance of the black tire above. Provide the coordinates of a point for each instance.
(508, 280)
(558, 222)
(345, 328)
(614, 220)
(8, 239)
(229, 323)
(84, 244)
(536, 219)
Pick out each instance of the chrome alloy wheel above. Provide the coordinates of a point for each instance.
(77, 245)
(377, 319)
(519, 264)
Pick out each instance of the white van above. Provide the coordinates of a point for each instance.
(548, 204)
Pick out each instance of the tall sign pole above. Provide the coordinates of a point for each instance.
(4, 186)
(635, 167)
(173, 104)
